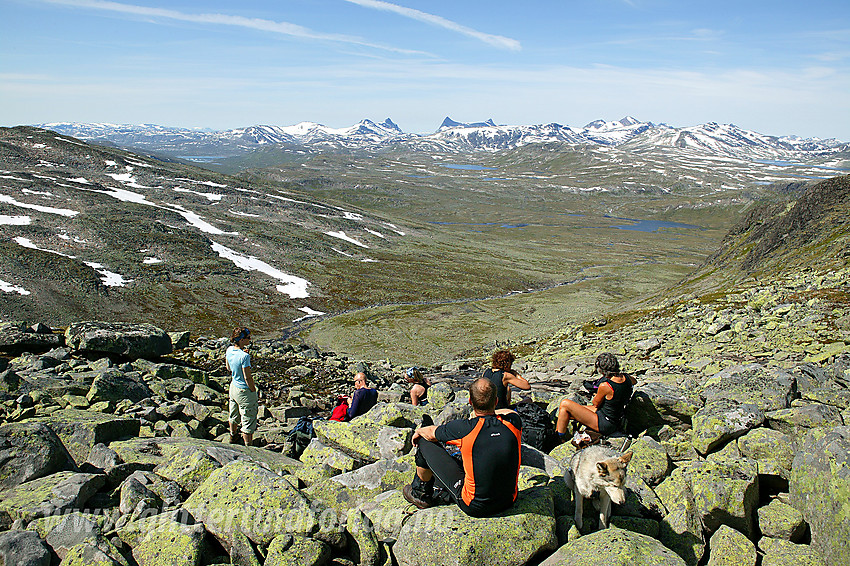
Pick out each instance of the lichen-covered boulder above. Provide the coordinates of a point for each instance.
(189, 469)
(29, 451)
(359, 438)
(89, 554)
(781, 552)
(722, 420)
(650, 460)
(81, 430)
(23, 548)
(731, 548)
(725, 493)
(244, 497)
(17, 337)
(614, 547)
(797, 421)
(316, 454)
(364, 545)
(347, 491)
(452, 412)
(681, 530)
(393, 414)
(387, 512)
(172, 544)
(439, 395)
(446, 535)
(779, 520)
(772, 450)
(286, 550)
(820, 488)
(770, 389)
(122, 338)
(48, 495)
(657, 404)
(75, 529)
(113, 385)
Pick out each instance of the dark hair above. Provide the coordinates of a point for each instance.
(607, 363)
(238, 334)
(482, 394)
(502, 360)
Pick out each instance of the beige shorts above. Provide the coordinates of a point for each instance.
(243, 409)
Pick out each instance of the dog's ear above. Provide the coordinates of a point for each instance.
(626, 457)
(602, 468)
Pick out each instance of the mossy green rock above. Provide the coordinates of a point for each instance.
(659, 403)
(112, 386)
(44, 525)
(387, 512)
(725, 493)
(81, 430)
(649, 460)
(89, 555)
(189, 470)
(769, 389)
(244, 497)
(780, 552)
(439, 395)
(172, 545)
(731, 548)
(779, 520)
(364, 547)
(51, 494)
(820, 488)
(770, 448)
(722, 420)
(349, 490)
(798, 421)
(287, 550)
(681, 530)
(445, 535)
(614, 547)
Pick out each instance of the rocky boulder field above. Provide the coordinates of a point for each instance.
(114, 446)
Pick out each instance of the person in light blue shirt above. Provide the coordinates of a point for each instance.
(243, 391)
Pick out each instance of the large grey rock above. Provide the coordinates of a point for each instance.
(778, 520)
(113, 385)
(820, 488)
(772, 450)
(650, 460)
(681, 529)
(29, 451)
(246, 498)
(780, 552)
(286, 550)
(731, 548)
(656, 404)
(770, 389)
(48, 495)
(799, 420)
(316, 454)
(349, 490)
(723, 420)
(445, 535)
(74, 530)
(23, 548)
(125, 339)
(172, 544)
(81, 430)
(614, 547)
(725, 493)
(17, 337)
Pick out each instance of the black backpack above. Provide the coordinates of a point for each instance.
(299, 437)
(537, 428)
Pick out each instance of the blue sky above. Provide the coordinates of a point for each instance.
(778, 68)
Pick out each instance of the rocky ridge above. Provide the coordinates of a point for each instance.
(739, 423)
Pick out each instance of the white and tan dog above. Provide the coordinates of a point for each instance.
(598, 469)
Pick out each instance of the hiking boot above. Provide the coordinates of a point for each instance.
(416, 497)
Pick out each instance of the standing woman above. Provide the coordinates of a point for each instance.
(502, 376)
(243, 391)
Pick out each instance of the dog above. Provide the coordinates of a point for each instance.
(597, 469)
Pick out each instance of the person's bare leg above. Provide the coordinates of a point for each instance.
(424, 474)
(569, 409)
(247, 438)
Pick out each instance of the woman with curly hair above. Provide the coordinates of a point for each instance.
(502, 376)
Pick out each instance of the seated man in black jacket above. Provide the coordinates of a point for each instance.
(485, 481)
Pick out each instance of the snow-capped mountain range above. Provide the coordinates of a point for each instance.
(451, 136)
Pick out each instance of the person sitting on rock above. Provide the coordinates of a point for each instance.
(503, 376)
(606, 410)
(484, 482)
(419, 387)
(243, 391)
(364, 397)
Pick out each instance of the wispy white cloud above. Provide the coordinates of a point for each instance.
(495, 40)
(283, 28)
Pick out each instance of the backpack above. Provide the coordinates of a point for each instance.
(299, 437)
(339, 413)
(537, 428)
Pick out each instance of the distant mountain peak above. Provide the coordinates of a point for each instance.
(449, 123)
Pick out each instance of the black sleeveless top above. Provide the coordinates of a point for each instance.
(612, 409)
(496, 377)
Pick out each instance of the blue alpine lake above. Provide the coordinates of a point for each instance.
(466, 167)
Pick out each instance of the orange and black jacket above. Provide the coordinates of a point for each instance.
(490, 448)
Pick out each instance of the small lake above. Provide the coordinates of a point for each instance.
(653, 225)
(466, 167)
(201, 158)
